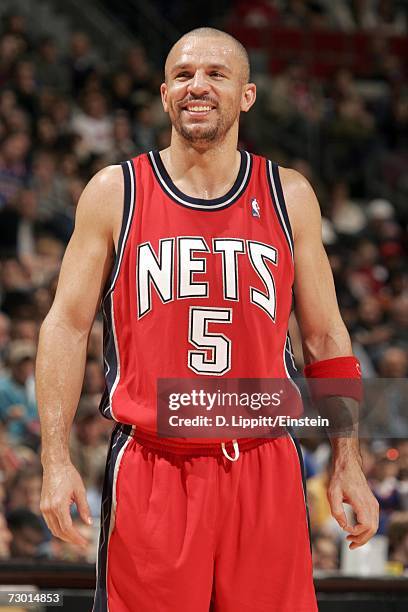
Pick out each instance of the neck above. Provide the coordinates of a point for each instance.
(202, 172)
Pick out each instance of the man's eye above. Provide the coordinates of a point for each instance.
(216, 74)
(183, 75)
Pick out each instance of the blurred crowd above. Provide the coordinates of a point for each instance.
(64, 114)
(388, 16)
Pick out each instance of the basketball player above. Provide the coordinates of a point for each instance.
(194, 251)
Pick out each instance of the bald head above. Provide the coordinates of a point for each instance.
(225, 40)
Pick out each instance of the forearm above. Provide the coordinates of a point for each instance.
(341, 412)
(324, 334)
(60, 370)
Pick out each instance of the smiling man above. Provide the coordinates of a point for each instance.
(194, 253)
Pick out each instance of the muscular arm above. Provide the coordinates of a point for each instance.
(322, 330)
(63, 344)
(325, 336)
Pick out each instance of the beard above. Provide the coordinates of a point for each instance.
(203, 133)
(197, 133)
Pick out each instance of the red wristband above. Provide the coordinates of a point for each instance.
(341, 377)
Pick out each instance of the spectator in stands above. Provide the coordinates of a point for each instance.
(372, 330)
(88, 444)
(47, 133)
(399, 321)
(27, 534)
(398, 538)
(122, 92)
(349, 138)
(13, 166)
(95, 342)
(18, 226)
(384, 485)
(52, 73)
(15, 23)
(93, 379)
(25, 329)
(393, 363)
(54, 211)
(347, 216)
(10, 49)
(353, 14)
(141, 73)
(369, 275)
(325, 552)
(25, 490)
(18, 408)
(61, 114)
(94, 126)
(124, 146)
(83, 61)
(391, 18)
(25, 89)
(320, 514)
(144, 129)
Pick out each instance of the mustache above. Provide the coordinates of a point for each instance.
(201, 99)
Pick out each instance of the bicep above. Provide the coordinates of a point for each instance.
(315, 296)
(89, 255)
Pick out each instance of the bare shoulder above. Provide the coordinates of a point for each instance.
(301, 201)
(101, 202)
(104, 187)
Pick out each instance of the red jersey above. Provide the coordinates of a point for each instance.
(198, 288)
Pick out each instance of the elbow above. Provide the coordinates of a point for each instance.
(56, 324)
(334, 342)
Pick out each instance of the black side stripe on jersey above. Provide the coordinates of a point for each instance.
(290, 358)
(128, 208)
(119, 440)
(110, 358)
(278, 200)
(289, 363)
(110, 346)
(303, 474)
(293, 373)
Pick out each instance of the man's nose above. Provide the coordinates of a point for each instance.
(198, 84)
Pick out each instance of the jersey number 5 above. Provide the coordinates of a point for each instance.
(213, 357)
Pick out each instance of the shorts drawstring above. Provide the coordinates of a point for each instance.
(236, 451)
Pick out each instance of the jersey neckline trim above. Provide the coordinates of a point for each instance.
(183, 199)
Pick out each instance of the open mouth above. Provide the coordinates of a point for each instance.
(198, 109)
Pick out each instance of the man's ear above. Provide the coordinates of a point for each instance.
(248, 97)
(163, 93)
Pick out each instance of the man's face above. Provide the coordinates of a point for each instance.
(205, 88)
(21, 371)
(27, 494)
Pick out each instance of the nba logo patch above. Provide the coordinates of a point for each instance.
(256, 211)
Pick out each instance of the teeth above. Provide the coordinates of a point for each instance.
(200, 108)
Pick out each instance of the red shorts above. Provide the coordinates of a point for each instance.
(183, 533)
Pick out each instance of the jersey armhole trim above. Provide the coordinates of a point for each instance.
(278, 200)
(128, 210)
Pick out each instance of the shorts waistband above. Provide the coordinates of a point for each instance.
(196, 449)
